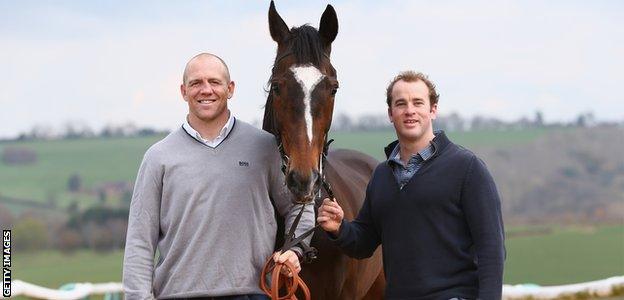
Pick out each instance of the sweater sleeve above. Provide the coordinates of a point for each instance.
(482, 207)
(359, 238)
(143, 231)
(282, 197)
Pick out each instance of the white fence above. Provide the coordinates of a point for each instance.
(599, 288)
(594, 289)
(79, 290)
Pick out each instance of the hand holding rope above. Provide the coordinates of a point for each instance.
(280, 280)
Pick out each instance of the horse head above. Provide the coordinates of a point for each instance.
(300, 103)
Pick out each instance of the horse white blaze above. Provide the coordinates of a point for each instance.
(308, 77)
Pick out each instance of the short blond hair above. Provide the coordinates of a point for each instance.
(412, 76)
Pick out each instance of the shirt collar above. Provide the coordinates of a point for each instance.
(222, 133)
(424, 154)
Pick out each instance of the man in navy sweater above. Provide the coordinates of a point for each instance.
(432, 205)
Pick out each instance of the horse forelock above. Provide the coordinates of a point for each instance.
(305, 45)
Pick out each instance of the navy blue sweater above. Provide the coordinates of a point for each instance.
(442, 234)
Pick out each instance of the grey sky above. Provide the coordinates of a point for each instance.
(115, 62)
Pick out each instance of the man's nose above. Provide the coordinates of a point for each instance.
(206, 89)
(410, 109)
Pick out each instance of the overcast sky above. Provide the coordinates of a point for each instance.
(100, 62)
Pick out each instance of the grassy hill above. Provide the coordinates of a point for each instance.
(95, 160)
(102, 160)
(372, 143)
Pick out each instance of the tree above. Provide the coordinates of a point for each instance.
(539, 119)
(72, 208)
(118, 228)
(29, 234)
(102, 195)
(6, 217)
(342, 122)
(69, 240)
(126, 197)
(74, 183)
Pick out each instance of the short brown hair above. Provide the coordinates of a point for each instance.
(411, 76)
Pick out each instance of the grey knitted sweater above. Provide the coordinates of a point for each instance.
(207, 211)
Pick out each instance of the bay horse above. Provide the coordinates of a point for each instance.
(298, 112)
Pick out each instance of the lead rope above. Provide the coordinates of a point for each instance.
(278, 279)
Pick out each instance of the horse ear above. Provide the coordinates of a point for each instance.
(328, 29)
(277, 26)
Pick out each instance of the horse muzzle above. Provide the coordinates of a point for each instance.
(303, 187)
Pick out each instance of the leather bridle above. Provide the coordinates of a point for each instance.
(292, 284)
(290, 239)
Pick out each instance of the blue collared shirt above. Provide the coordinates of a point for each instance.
(403, 173)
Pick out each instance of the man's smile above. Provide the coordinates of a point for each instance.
(206, 101)
(411, 122)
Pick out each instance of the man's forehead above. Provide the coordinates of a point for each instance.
(410, 86)
(411, 83)
(197, 66)
(402, 90)
(205, 62)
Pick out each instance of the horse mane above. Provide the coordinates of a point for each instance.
(268, 122)
(304, 43)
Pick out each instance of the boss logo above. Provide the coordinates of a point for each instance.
(243, 163)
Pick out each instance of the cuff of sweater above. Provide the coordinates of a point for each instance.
(341, 233)
(297, 249)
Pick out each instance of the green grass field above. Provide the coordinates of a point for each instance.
(567, 255)
(372, 143)
(117, 159)
(95, 160)
(53, 269)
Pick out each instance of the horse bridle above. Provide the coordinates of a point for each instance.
(290, 239)
(309, 253)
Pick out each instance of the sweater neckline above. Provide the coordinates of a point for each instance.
(227, 137)
(440, 141)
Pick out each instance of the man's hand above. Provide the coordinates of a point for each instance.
(330, 216)
(290, 256)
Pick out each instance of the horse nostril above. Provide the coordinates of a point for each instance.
(296, 182)
(301, 185)
(291, 179)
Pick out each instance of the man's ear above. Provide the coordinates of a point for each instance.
(390, 114)
(434, 111)
(183, 91)
(231, 87)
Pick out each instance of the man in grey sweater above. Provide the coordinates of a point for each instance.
(202, 199)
